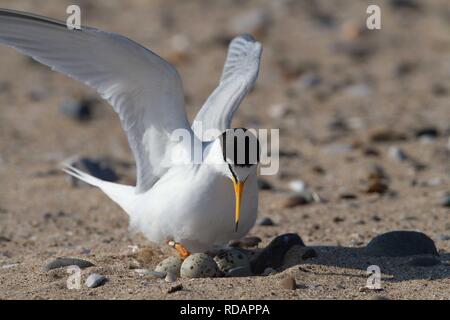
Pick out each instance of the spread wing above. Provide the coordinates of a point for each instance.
(144, 90)
(238, 77)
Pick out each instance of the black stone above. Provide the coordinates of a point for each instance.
(424, 262)
(400, 244)
(80, 110)
(272, 256)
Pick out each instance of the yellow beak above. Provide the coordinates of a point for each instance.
(238, 188)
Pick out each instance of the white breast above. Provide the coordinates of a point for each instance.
(195, 205)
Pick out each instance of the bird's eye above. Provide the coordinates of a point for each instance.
(240, 147)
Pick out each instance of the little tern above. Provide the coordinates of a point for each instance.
(190, 206)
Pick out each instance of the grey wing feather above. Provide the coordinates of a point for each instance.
(238, 77)
(143, 89)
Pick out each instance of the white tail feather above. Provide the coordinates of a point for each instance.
(121, 194)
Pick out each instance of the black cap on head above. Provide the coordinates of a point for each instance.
(240, 147)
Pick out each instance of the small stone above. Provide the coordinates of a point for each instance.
(377, 186)
(383, 135)
(171, 264)
(269, 271)
(297, 186)
(424, 262)
(400, 244)
(266, 221)
(288, 283)
(239, 272)
(95, 280)
(156, 274)
(170, 277)
(359, 90)
(80, 110)
(429, 132)
(9, 266)
(199, 265)
(397, 154)
(445, 202)
(309, 80)
(66, 262)
(273, 255)
(142, 272)
(405, 4)
(264, 184)
(299, 199)
(176, 288)
(231, 259)
(278, 111)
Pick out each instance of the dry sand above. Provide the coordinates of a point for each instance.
(399, 81)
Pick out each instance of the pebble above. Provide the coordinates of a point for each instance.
(424, 262)
(405, 4)
(227, 260)
(80, 110)
(66, 262)
(199, 265)
(397, 154)
(269, 271)
(156, 274)
(265, 222)
(400, 244)
(445, 202)
(176, 288)
(273, 255)
(377, 186)
(300, 199)
(429, 132)
(309, 80)
(9, 266)
(297, 186)
(264, 184)
(247, 242)
(382, 135)
(98, 168)
(359, 90)
(142, 272)
(95, 280)
(171, 264)
(288, 283)
(278, 111)
(170, 277)
(239, 272)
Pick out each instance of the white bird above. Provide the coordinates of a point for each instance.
(190, 206)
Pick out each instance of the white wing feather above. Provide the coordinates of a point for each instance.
(145, 90)
(238, 77)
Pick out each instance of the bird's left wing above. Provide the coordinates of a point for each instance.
(238, 77)
(143, 89)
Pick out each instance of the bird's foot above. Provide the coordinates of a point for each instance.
(182, 251)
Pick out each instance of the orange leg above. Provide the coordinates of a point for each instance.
(183, 252)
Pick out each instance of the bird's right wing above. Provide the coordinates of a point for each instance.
(238, 77)
(145, 90)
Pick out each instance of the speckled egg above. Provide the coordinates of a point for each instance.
(199, 265)
(170, 265)
(230, 259)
